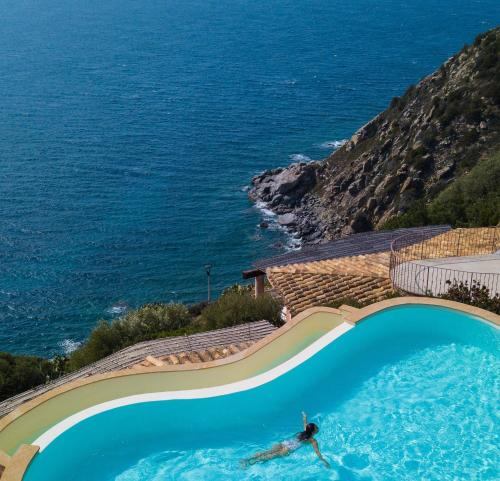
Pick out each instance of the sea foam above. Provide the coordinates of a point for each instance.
(332, 144)
(300, 158)
(118, 308)
(267, 213)
(68, 346)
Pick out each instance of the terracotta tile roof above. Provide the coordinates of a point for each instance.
(363, 277)
(192, 357)
(375, 265)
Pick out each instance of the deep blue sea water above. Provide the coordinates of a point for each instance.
(129, 129)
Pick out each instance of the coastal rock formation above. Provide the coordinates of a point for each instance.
(283, 189)
(436, 131)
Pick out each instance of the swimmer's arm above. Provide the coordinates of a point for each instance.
(318, 453)
(304, 419)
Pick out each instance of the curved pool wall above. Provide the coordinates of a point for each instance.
(238, 414)
(395, 329)
(33, 418)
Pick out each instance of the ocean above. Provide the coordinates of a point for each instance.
(130, 130)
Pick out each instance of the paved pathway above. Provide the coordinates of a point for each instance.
(421, 276)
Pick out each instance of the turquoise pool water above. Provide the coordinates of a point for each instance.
(411, 393)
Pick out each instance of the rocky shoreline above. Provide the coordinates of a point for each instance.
(435, 132)
(284, 191)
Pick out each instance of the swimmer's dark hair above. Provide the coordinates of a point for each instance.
(310, 431)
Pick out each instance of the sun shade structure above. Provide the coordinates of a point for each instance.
(352, 245)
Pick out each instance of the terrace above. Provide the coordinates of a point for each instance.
(426, 266)
(370, 266)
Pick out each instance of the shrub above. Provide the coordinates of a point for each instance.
(492, 90)
(473, 115)
(452, 110)
(148, 322)
(419, 158)
(487, 59)
(237, 307)
(195, 309)
(151, 319)
(238, 288)
(20, 373)
(416, 216)
(470, 136)
(475, 294)
(429, 138)
(424, 163)
(472, 200)
(397, 103)
(410, 91)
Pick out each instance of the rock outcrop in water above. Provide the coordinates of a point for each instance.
(436, 131)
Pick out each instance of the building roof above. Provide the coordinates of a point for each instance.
(352, 245)
(364, 278)
(193, 357)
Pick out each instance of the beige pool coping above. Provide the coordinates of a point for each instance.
(358, 315)
(76, 393)
(17, 465)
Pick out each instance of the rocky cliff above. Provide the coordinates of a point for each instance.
(434, 133)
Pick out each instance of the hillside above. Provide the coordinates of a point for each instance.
(399, 162)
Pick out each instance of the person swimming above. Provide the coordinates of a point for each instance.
(290, 445)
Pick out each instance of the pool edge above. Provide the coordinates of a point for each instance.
(359, 315)
(33, 403)
(20, 461)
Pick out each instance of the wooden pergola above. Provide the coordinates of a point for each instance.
(364, 243)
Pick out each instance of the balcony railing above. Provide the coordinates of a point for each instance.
(425, 266)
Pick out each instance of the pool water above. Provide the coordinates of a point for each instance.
(387, 430)
(412, 393)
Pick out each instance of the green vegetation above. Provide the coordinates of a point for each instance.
(469, 102)
(464, 102)
(19, 373)
(476, 295)
(488, 65)
(420, 159)
(235, 307)
(472, 200)
(148, 322)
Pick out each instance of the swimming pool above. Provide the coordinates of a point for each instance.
(410, 393)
